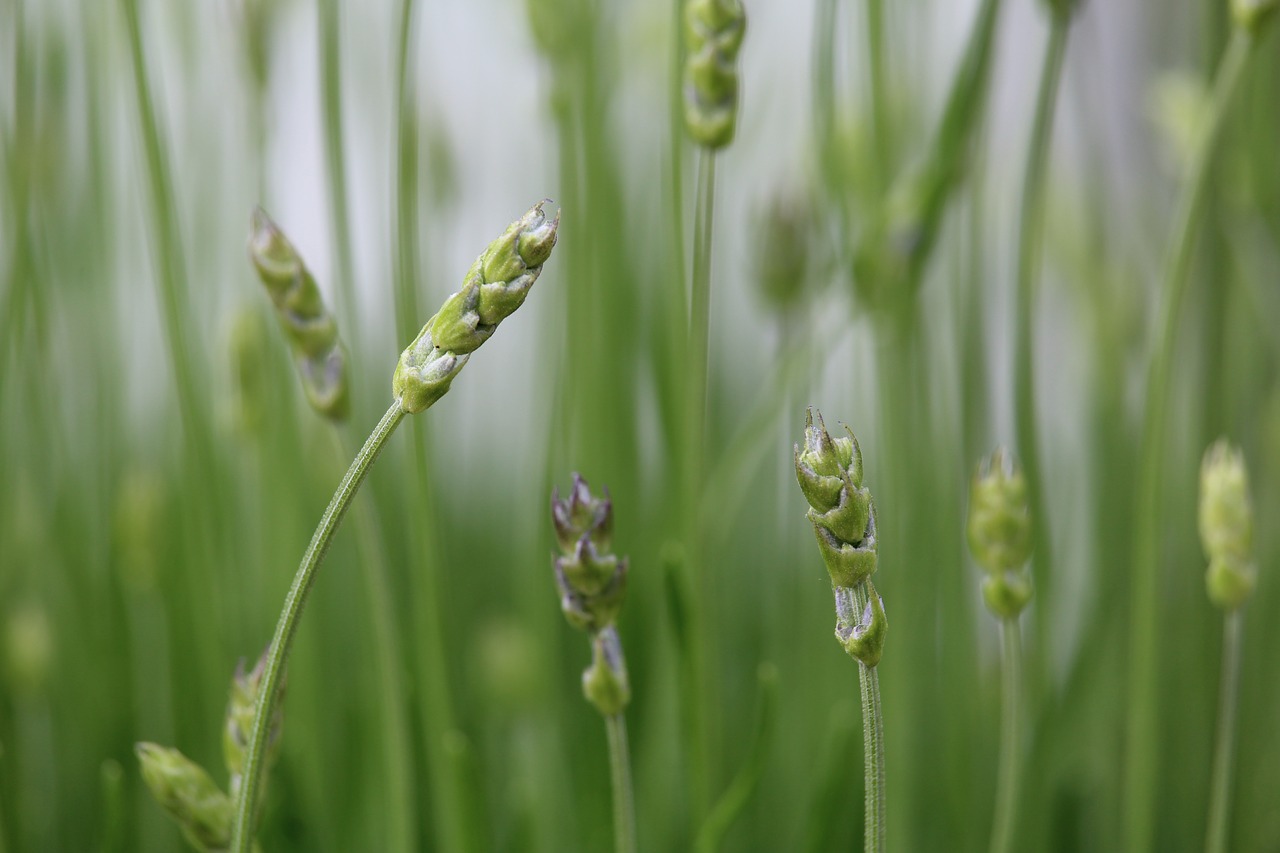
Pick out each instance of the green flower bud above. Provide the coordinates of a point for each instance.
(186, 792)
(861, 634)
(829, 472)
(582, 514)
(713, 35)
(605, 682)
(784, 249)
(848, 564)
(592, 581)
(1007, 593)
(494, 287)
(1226, 526)
(1252, 14)
(1226, 515)
(309, 327)
(237, 730)
(999, 518)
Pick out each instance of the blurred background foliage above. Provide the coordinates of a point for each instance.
(161, 471)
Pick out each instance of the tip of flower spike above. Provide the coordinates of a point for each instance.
(270, 251)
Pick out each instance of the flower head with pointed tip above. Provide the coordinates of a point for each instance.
(1226, 526)
(592, 581)
(999, 531)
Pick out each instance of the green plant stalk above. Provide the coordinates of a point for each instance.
(1224, 749)
(329, 31)
(1143, 725)
(395, 734)
(874, 827)
(624, 810)
(696, 384)
(1010, 737)
(1030, 245)
(878, 79)
(287, 627)
(734, 799)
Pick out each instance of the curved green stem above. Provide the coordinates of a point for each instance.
(1224, 750)
(624, 811)
(1143, 725)
(874, 827)
(1010, 737)
(287, 627)
(1030, 243)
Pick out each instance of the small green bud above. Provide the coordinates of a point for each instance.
(494, 287)
(862, 634)
(28, 648)
(582, 514)
(999, 518)
(1226, 514)
(186, 792)
(1226, 526)
(1252, 14)
(310, 328)
(847, 563)
(784, 249)
(605, 682)
(237, 730)
(829, 472)
(1007, 593)
(713, 35)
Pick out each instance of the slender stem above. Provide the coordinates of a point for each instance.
(872, 745)
(1030, 245)
(395, 734)
(330, 29)
(1010, 737)
(287, 627)
(696, 367)
(878, 78)
(1143, 729)
(1224, 750)
(624, 810)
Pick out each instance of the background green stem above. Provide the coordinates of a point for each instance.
(1224, 749)
(287, 627)
(1143, 729)
(1030, 245)
(330, 32)
(624, 811)
(1010, 737)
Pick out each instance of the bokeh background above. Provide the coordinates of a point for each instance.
(160, 472)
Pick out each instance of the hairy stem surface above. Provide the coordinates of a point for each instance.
(872, 746)
(287, 626)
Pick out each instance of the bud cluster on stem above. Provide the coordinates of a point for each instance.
(1226, 526)
(999, 531)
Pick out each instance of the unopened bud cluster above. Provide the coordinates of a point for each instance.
(186, 791)
(999, 532)
(829, 471)
(1226, 526)
(713, 36)
(310, 328)
(592, 583)
(494, 287)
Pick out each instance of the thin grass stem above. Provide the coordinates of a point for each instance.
(1010, 737)
(287, 626)
(624, 811)
(1143, 725)
(878, 80)
(1030, 245)
(330, 33)
(1224, 749)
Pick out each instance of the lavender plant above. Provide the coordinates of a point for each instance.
(494, 287)
(829, 472)
(999, 531)
(592, 583)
